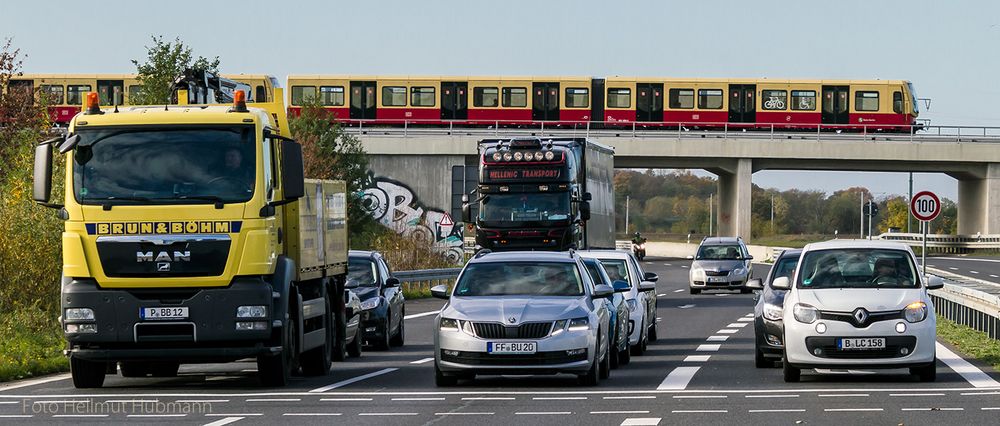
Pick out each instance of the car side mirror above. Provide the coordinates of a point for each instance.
(621, 286)
(392, 282)
(749, 257)
(781, 283)
(602, 291)
(689, 257)
(649, 276)
(934, 282)
(755, 284)
(440, 292)
(647, 286)
(352, 284)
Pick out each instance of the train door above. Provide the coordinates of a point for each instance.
(545, 101)
(836, 105)
(649, 102)
(111, 91)
(454, 100)
(742, 103)
(362, 100)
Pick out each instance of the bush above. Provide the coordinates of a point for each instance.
(30, 344)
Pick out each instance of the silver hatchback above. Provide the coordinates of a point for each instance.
(523, 313)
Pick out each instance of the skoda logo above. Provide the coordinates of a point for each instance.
(861, 315)
(511, 320)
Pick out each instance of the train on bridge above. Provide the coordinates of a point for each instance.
(365, 100)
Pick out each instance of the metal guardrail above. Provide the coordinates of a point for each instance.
(678, 130)
(423, 279)
(968, 301)
(947, 243)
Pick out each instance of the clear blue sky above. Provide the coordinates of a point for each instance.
(948, 49)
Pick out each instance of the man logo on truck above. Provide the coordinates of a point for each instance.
(163, 257)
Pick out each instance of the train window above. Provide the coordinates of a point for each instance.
(75, 93)
(710, 99)
(133, 93)
(682, 98)
(866, 101)
(577, 97)
(303, 94)
(619, 98)
(54, 94)
(804, 100)
(485, 97)
(331, 95)
(774, 99)
(393, 96)
(422, 96)
(515, 97)
(897, 102)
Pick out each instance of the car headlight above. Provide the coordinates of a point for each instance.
(698, 273)
(558, 327)
(579, 324)
(805, 313)
(915, 312)
(632, 305)
(738, 271)
(369, 304)
(448, 324)
(773, 312)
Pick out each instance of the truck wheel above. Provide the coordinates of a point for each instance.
(276, 370)
(397, 340)
(316, 361)
(356, 345)
(87, 374)
(133, 369)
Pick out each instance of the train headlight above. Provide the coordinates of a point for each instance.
(549, 155)
(539, 156)
(496, 156)
(518, 156)
(507, 156)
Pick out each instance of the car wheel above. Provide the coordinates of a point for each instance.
(606, 364)
(792, 374)
(759, 360)
(927, 373)
(442, 380)
(382, 343)
(354, 351)
(592, 376)
(624, 356)
(695, 291)
(652, 332)
(613, 352)
(397, 340)
(87, 374)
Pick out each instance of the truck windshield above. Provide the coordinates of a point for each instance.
(520, 279)
(525, 207)
(165, 165)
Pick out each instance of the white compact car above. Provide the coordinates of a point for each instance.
(859, 304)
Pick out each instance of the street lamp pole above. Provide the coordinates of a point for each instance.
(710, 208)
(908, 217)
(772, 214)
(626, 214)
(862, 230)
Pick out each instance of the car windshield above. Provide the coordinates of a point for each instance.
(785, 267)
(208, 164)
(361, 272)
(726, 252)
(857, 268)
(525, 206)
(616, 269)
(594, 268)
(520, 279)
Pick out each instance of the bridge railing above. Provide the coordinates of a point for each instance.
(680, 129)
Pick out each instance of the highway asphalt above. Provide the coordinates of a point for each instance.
(699, 371)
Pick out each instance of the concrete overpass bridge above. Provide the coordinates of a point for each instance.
(427, 159)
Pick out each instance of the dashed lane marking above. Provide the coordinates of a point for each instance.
(273, 399)
(420, 399)
(994, 276)
(353, 380)
(621, 412)
(313, 414)
(969, 372)
(233, 415)
(990, 408)
(464, 414)
(974, 272)
(700, 396)
(558, 398)
(388, 414)
(680, 290)
(698, 411)
(15, 416)
(424, 314)
(631, 397)
(224, 421)
(666, 264)
(641, 421)
(907, 395)
(953, 268)
(422, 361)
(488, 398)
(345, 399)
(79, 416)
(543, 413)
(770, 396)
(155, 416)
(787, 410)
(934, 409)
(697, 358)
(745, 319)
(978, 393)
(202, 401)
(844, 395)
(728, 331)
(661, 295)
(717, 338)
(678, 379)
(737, 325)
(686, 306)
(707, 348)
(850, 410)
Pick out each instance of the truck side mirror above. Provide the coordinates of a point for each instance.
(292, 171)
(42, 190)
(585, 210)
(466, 213)
(587, 196)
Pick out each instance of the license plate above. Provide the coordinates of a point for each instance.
(511, 347)
(163, 313)
(861, 344)
(716, 279)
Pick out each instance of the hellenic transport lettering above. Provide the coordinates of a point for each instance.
(508, 174)
(163, 228)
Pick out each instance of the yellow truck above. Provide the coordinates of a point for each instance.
(192, 236)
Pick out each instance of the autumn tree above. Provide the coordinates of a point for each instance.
(165, 61)
(21, 110)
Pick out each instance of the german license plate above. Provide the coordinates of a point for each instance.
(501, 348)
(861, 343)
(716, 279)
(163, 313)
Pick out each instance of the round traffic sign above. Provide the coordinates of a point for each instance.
(925, 206)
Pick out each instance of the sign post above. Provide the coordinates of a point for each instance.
(925, 206)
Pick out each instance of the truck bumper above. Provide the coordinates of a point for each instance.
(207, 334)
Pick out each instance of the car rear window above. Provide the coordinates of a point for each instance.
(520, 279)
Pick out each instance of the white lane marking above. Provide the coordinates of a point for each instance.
(202, 400)
(345, 399)
(678, 379)
(697, 358)
(707, 348)
(422, 361)
(224, 421)
(131, 401)
(737, 325)
(558, 398)
(953, 268)
(424, 314)
(464, 414)
(789, 410)
(686, 306)
(969, 372)
(717, 338)
(241, 415)
(273, 399)
(700, 396)
(770, 396)
(15, 416)
(680, 290)
(632, 397)
(979, 393)
(684, 266)
(974, 272)
(728, 331)
(312, 414)
(26, 383)
(641, 421)
(699, 411)
(666, 264)
(915, 394)
(845, 395)
(8, 402)
(388, 414)
(419, 399)
(934, 409)
(849, 410)
(994, 276)
(722, 295)
(990, 408)
(621, 412)
(79, 416)
(542, 413)
(156, 416)
(661, 295)
(745, 319)
(488, 398)
(353, 380)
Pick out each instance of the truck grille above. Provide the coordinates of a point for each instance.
(492, 330)
(141, 256)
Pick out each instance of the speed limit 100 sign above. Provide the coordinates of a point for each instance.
(925, 206)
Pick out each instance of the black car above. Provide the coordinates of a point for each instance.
(382, 303)
(768, 329)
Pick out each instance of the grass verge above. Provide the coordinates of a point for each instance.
(970, 341)
(30, 345)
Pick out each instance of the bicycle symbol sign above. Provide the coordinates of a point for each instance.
(774, 103)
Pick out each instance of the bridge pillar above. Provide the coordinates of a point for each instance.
(735, 185)
(979, 203)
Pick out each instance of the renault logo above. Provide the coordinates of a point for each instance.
(860, 315)
(511, 320)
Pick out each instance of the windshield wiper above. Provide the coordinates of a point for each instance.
(219, 202)
(107, 206)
